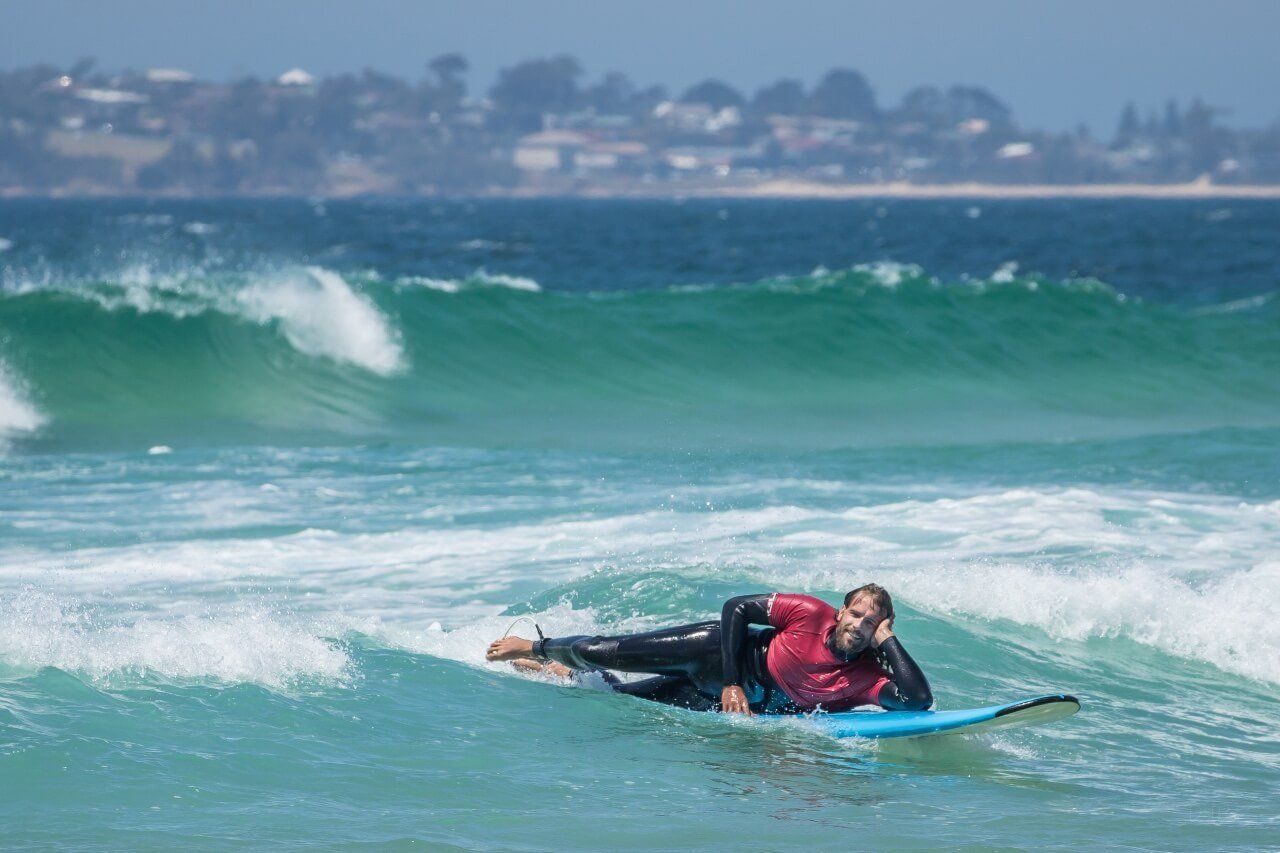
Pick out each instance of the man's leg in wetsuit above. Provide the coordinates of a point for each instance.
(687, 653)
(669, 690)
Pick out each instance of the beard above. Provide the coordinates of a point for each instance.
(848, 643)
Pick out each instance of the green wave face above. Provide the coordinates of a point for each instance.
(867, 356)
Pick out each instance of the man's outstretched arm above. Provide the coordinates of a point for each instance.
(909, 689)
(735, 616)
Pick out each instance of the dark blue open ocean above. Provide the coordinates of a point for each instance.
(273, 473)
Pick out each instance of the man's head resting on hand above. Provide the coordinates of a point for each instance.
(865, 619)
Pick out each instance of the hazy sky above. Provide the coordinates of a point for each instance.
(1056, 62)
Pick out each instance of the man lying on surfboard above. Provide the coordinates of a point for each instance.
(810, 655)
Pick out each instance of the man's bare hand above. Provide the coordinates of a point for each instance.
(883, 632)
(734, 701)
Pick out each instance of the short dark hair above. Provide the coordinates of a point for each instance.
(878, 594)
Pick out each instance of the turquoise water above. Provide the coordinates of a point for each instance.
(274, 474)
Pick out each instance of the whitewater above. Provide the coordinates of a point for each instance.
(273, 474)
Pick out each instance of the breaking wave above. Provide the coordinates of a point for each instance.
(864, 356)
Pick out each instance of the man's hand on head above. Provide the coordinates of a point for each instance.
(883, 632)
(733, 700)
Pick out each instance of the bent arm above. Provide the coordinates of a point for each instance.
(736, 615)
(909, 689)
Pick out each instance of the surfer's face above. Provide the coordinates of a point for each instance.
(856, 625)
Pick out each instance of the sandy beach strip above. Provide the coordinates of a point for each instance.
(810, 189)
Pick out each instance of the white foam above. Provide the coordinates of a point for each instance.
(159, 450)
(515, 282)
(443, 285)
(5, 244)
(467, 643)
(320, 315)
(17, 414)
(1231, 621)
(481, 245)
(1075, 563)
(1249, 303)
(889, 274)
(146, 219)
(477, 280)
(242, 645)
(1190, 574)
(1007, 272)
(137, 287)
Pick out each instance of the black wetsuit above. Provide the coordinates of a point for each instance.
(694, 663)
(687, 661)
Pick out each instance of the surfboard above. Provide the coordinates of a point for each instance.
(885, 724)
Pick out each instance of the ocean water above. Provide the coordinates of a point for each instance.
(274, 473)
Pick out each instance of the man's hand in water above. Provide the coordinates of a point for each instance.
(883, 632)
(734, 701)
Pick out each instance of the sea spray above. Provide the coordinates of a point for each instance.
(17, 414)
(320, 315)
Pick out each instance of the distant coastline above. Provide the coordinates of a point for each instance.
(767, 189)
(799, 189)
(540, 131)
(804, 189)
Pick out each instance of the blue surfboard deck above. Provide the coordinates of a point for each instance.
(886, 724)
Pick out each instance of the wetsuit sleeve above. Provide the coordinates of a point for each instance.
(909, 689)
(736, 615)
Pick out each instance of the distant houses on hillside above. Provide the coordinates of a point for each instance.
(539, 129)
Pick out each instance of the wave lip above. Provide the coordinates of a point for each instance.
(321, 315)
(315, 309)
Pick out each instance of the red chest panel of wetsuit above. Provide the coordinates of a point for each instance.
(805, 668)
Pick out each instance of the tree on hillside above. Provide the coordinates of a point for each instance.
(643, 102)
(1199, 117)
(784, 97)
(966, 102)
(845, 94)
(448, 68)
(527, 90)
(617, 95)
(926, 104)
(1172, 120)
(337, 107)
(714, 93)
(244, 114)
(1208, 143)
(932, 106)
(387, 92)
(448, 89)
(1129, 128)
(611, 96)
